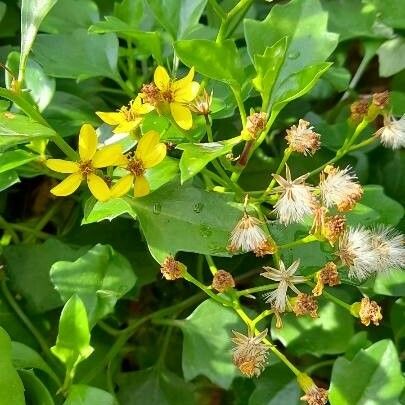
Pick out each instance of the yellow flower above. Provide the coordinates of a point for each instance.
(149, 152)
(176, 93)
(127, 118)
(85, 168)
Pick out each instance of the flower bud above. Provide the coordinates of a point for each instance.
(202, 104)
(171, 269)
(359, 110)
(223, 281)
(305, 304)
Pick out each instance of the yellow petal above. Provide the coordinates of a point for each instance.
(187, 93)
(87, 142)
(127, 126)
(185, 81)
(155, 156)
(98, 187)
(122, 186)
(62, 166)
(107, 156)
(111, 118)
(67, 186)
(161, 78)
(145, 108)
(141, 186)
(146, 144)
(181, 115)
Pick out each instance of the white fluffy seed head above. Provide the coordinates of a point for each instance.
(303, 139)
(392, 134)
(356, 252)
(296, 199)
(340, 188)
(390, 248)
(247, 235)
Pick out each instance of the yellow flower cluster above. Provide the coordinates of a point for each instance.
(164, 95)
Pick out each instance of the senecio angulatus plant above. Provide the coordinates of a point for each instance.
(233, 143)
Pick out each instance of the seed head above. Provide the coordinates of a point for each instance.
(305, 304)
(296, 200)
(247, 235)
(222, 281)
(172, 269)
(202, 104)
(381, 100)
(359, 109)
(328, 275)
(333, 228)
(303, 139)
(265, 248)
(392, 134)
(249, 353)
(313, 394)
(340, 188)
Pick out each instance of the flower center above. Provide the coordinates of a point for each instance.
(86, 167)
(151, 94)
(167, 96)
(127, 113)
(135, 166)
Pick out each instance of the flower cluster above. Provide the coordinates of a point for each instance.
(166, 96)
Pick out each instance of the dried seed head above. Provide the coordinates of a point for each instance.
(313, 394)
(254, 125)
(392, 134)
(305, 304)
(340, 188)
(172, 269)
(202, 104)
(316, 396)
(265, 248)
(359, 109)
(222, 281)
(303, 139)
(381, 100)
(328, 275)
(247, 235)
(369, 311)
(249, 353)
(333, 228)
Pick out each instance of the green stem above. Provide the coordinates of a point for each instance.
(252, 290)
(302, 241)
(309, 370)
(121, 82)
(211, 264)
(215, 177)
(332, 298)
(241, 7)
(27, 229)
(219, 11)
(286, 156)
(261, 316)
(238, 97)
(10, 229)
(29, 325)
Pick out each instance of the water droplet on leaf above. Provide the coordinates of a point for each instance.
(293, 55)
(157, 208)
(198, 207)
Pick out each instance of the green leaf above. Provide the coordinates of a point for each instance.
(96, 211)
(178, 18)
(197, 155)
(86, 395)
(352, 19)
(207, 343)
(8, 179)
(267, 67)
(375, 208)
(397, 317)
(21, 259)
(391, 55)
(3, 8)
(309, 43)
(89, 55)
(17, 129)
(15, 158)
(390, 12)
(11, 387)
(277, 385)
(32, 14)
(190, 216)
(35, 390)
(390, 283)
(158, 385)
(100, 278)
(219, 61)
(73, 341)
(147, 42)
(68, 15)
(23, 357)
(302, 335)
(41, 88)
(373, 377)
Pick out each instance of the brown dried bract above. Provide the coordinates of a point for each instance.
(369, 312)
(316, 396)
(172, 269)
(326, 276)
(305, 304)
(265, 248)
(381, 100)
